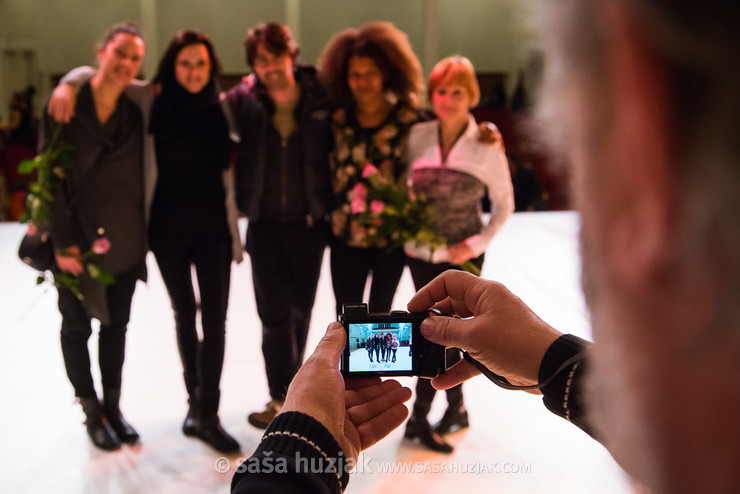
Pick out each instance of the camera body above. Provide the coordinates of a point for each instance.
(388, 344)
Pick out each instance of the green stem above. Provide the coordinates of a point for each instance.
(470, 268)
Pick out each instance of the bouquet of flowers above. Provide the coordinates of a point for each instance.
(388, 210)
(50, 169)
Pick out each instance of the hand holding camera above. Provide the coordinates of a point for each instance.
(358, 412)
(498, 329)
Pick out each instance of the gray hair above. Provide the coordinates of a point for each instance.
(700, 44)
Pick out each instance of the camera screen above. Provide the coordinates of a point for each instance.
(380, 346)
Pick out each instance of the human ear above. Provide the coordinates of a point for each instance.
(643, 233)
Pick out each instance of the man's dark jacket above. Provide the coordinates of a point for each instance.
(253, 111)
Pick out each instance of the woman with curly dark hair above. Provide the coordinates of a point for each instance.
(374, 79)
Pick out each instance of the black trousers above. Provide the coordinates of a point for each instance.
(286, 263)
(350, 267)
(423, 272)
(77, 328)
(211, 255)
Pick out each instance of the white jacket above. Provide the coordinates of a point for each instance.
(486, 162)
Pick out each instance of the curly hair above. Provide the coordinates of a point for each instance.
(387, 46)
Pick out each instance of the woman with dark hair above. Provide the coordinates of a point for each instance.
(189, 224)
(107, 182)
(192, 220)
(374, 80)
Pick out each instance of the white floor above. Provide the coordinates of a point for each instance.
(514, 445)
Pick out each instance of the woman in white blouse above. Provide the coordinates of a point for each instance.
(453, 170)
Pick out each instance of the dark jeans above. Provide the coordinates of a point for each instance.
(350, 267)
(286, 263)
(76, 330)
(423, 272)
(202, 362)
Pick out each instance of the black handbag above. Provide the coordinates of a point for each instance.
(37, 251)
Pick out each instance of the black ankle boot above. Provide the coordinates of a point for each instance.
(100, 432)
(209, 425)
(190, 425)
(418, 428)
(125, 432)
(211, 432)
(454, 419)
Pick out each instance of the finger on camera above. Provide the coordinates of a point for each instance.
(457, 374)
(331, 345)
(447, 331)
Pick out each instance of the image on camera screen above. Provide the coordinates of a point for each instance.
(380, 346)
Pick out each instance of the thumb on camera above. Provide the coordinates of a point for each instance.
(332, 343)
(441, 330)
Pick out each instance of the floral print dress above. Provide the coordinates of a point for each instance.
(364, 157)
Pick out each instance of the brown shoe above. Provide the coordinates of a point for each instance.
(262, 419)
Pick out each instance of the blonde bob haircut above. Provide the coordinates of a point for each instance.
(455, 70)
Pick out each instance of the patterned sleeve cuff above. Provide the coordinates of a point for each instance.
(563, 395)
(308, 447)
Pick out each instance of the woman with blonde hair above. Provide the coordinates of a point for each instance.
(453, 170)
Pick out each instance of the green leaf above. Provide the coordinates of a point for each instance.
(27, 166)
(105, 278)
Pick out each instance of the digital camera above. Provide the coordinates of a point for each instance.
(388, 344)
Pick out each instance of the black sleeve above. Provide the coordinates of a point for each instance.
(563, 396)
(297, 455)
(61, 222)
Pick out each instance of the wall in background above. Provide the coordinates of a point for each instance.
(63, 33)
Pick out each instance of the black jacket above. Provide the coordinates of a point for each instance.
(312, 143)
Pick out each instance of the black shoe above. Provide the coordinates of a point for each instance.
(419, 429)
(125, 432)
(211, 432)
(100, 432)
(102, 435)
(454, 419)
(190, 425)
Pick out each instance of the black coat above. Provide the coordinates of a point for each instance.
(253, 110)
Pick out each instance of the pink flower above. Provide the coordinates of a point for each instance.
(369, 170)
(101, 245)
(377, 206)
(358, 205)
(359, 191)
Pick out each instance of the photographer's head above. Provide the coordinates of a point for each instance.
(640, 98)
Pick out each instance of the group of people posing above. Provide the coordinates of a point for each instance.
(382, 346)
(151, 165)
